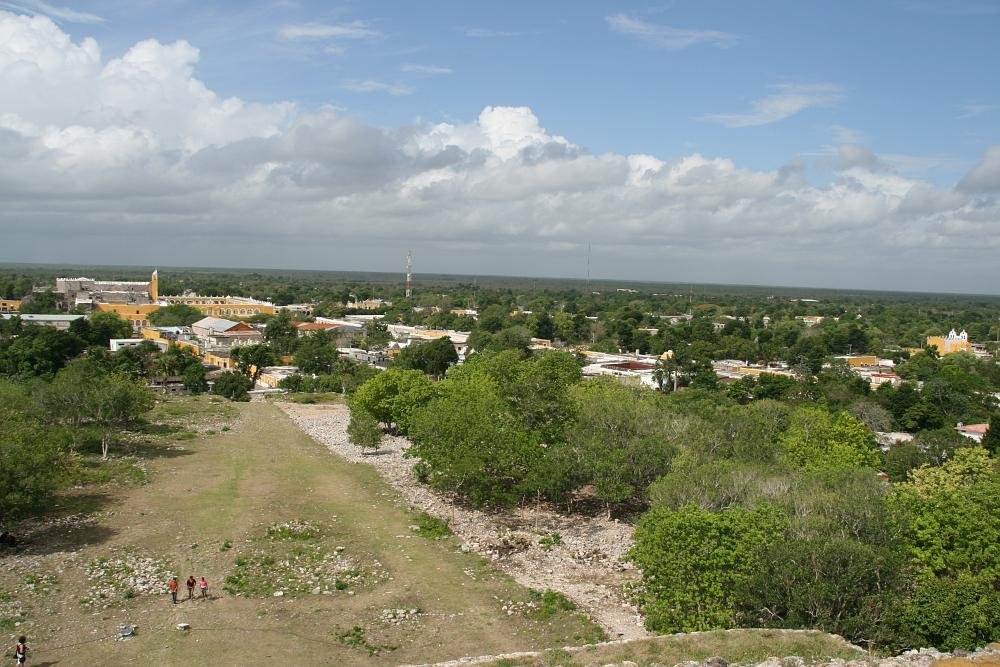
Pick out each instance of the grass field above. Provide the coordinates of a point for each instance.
(236, 491)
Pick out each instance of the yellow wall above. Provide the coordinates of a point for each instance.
(861, 360)
(10, 305)
(137, 314)
(152, 334)
(220, 306)
(944, 347)
(224, 363)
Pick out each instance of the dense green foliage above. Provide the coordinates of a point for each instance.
(233, 385)
(45, 425)
(432, 358)
(175, 315)
(696, 562)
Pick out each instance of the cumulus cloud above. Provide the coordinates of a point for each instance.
(787, 100)
(985, 176)
(856, 156)
(134, 155)
(659, 36)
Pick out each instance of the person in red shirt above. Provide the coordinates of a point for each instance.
(190, 584)
(172, 586)
(21, 650)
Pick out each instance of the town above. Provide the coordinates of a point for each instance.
(571, 433)
(520, 334)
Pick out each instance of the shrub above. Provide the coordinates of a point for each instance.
(432, 527)
(233, 386)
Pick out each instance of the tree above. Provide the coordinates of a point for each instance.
(871, 414)
(833, 583)
(45, 302)
(107, 325)
(620, 438)
(544, 327)
(953, 543)
(175, 315)
(31, 467)
(114, 402)
(251, 360)
(432, 358)
(194, 378)
(316, 354)
(376, 334)
(696, 563)
(38, 351)
(393, 396)
(232, 385)
(363, 430)
(281, 334)
(991, 440)
(815, 440)
(471, 444)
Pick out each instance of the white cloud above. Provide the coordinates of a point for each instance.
(787, 100)
(48, 80)
(373, 86)
(667, 37)
(335, 31)
(134, 159)
(414, 68)
(985, 176)
(973, 110)
(59, 13)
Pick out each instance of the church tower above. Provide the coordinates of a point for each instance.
(154, 287)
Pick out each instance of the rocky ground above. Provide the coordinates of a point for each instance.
(987, 656)
(580, 557)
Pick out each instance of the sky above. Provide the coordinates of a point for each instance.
(829, 144)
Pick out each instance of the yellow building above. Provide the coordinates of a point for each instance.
(136, 313)
(223, 306)
(10, 305)
(856, 360)
(953, 342)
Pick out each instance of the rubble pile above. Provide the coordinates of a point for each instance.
(398, 616)
(122, 575)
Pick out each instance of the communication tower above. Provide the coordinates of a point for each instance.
(409, 274)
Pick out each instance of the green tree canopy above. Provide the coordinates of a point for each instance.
(817, 440)
(175, 315)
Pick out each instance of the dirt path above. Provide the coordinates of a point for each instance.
(209, 507)
(585, 566)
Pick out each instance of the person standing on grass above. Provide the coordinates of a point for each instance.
(21, 650)
(203, 585)
(172, 586)
(190, 584)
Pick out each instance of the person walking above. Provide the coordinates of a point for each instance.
(172, 586)
(203, 585)
(21, 650)
(190, 584)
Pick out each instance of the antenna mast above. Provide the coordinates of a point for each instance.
(588, 265)
(409, 274)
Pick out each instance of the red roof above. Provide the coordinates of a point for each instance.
(977, 429)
